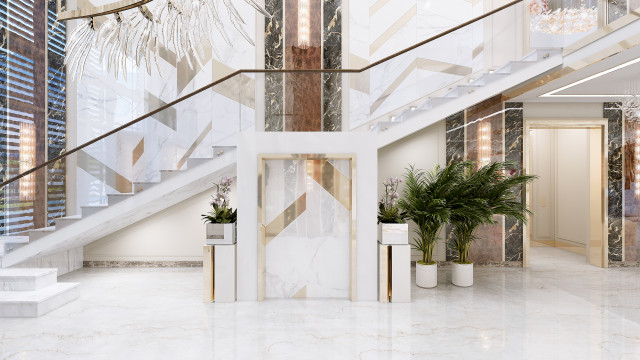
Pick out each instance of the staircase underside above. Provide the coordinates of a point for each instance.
(79, 232)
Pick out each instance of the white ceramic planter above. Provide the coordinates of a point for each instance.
(462, 274)
(426, 275)
(221, 234)
(393, 234)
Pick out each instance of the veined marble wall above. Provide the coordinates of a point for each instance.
(167, 139)
(303, 102)
(502, 242)
(614, 207)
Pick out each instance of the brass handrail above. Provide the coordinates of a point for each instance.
(257, 71)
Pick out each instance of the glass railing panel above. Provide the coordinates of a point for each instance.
(434, 69)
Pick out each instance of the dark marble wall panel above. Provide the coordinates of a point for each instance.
(487, 114)
(614, 115)
(332, 59)
(631, 206)
(513, 139)
(454, 125)
(274, 59)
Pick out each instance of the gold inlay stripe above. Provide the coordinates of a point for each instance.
(285, 218)
(377, 6)
(301, 294)
(332, 180)
(393, 29)
(137, 152)
(103, 173)
(195, 145)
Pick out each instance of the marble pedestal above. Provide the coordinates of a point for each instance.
(219, 267)
(394, 273)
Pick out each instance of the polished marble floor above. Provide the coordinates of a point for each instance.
(561, 308)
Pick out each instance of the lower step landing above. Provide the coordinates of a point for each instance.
(33, 292)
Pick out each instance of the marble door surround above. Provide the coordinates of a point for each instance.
(598, 247)
(357, 161)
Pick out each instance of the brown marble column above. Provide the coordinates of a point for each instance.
(303, 92)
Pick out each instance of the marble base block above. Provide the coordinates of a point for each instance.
(219, 267)
(394, 273)
(393, 234)
(221, 234)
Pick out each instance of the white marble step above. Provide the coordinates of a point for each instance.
(90, 210)
(24, 279)
(113, 199)
(142, 186)
(168, 174)
(21, 304)
(40, 233)
(10, 243)
(193, 162)
(66, 221)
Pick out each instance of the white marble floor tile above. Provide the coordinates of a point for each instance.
(561, 308)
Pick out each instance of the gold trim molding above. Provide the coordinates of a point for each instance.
(101, 10)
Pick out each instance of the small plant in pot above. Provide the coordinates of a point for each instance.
(221, 219)
(392, 228)
(424, 201)
(482, 194)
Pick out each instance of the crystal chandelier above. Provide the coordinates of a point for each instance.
(137, 33)
(563, 21)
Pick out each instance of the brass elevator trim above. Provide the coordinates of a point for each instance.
(389, 275)
(254, 71)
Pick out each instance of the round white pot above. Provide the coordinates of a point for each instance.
(426, 275)
(462, 274)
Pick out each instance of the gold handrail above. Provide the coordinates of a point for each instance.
(257, 71)
(101, 10)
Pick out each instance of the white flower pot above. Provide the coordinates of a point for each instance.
(462, 274)
(221, 234)
(426, 275)
(393, 234)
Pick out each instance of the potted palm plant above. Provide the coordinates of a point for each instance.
(424, 201)
(482, 194)
(392, 228)
(221, 219)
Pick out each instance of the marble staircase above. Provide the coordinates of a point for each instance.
(28, 292)
(411, 119)
(121, 210)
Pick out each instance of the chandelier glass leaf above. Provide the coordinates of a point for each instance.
(138, 33)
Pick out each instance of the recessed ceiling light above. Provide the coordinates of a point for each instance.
(594, 76)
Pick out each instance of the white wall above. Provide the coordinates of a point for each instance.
(424, 149)
(174, 234)
(560, 198)
(543, 189)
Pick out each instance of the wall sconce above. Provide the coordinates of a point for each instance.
(304, 23)
(27, 185)
(484, 143)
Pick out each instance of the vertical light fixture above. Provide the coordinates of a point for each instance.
(27, 160)
(304, 23)
(484, 143)
(636, 164)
